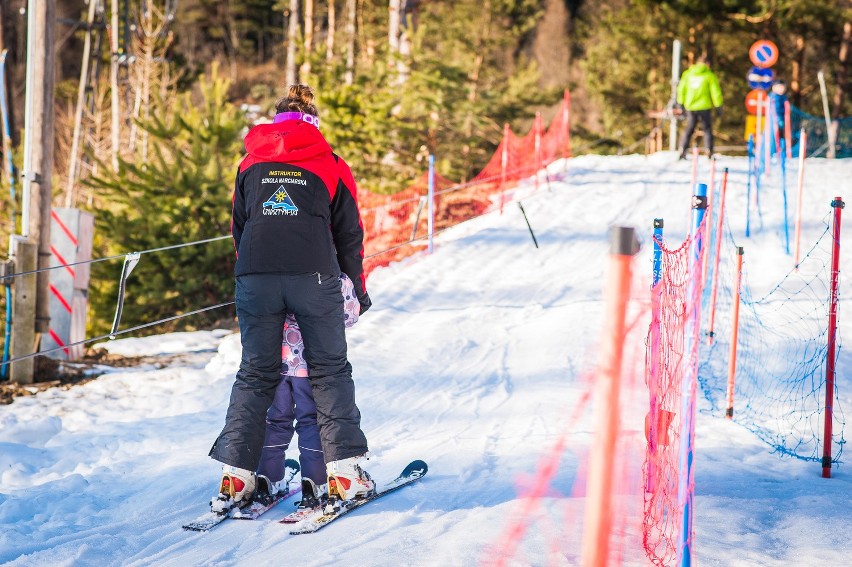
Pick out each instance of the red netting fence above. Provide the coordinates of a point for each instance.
(671, 366)
(395, 226)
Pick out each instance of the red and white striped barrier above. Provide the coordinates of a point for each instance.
(71, 232)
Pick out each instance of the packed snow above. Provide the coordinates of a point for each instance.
(474, 359)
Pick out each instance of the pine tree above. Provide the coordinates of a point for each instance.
(182, 194)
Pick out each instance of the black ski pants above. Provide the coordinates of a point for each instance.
(692, 118)
(263, 300)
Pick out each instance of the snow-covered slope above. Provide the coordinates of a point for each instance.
(472, 359)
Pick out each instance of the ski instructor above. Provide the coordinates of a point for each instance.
(296, 227)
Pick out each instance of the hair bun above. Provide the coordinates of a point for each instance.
(300, 98)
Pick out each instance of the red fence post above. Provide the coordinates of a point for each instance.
(504, 163)
(566, 122)
(708, 229)
(694, 179)
(735, 328)
(599, 491)
(788, 130)
(837, 204)
(537, 146)
(717, 250)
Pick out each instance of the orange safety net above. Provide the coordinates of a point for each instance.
(395, 226)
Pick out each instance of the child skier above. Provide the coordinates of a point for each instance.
(294, 401)
(778, 100)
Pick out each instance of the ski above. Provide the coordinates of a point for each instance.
(252, 510)
(300, 514)
(317, 519)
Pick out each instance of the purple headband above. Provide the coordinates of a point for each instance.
(303, 116)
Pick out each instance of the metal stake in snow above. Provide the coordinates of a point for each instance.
(523, 212)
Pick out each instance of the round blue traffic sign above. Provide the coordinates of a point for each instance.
(760, 78)
(763, 53)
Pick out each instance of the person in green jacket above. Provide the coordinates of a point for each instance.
(699, 93)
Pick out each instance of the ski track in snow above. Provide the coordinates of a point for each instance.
(472, 359)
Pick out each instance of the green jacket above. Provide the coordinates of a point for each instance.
(699, 89)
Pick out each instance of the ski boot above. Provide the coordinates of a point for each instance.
(347, 481)
(313, 495)
(235, 489)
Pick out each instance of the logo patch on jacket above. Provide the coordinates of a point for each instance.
(280, 203)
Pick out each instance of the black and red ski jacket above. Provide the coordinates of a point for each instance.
(295, 207)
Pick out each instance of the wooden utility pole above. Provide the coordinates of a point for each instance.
(24, 254)
(38, 171)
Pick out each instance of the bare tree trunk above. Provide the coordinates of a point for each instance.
(351, 14)
(365, 46)
(482, 41)
(233, 42)
(149, 48)
(393, 27)
(798, 71)
(292, 37)
(2, 26)
(398, 44)
(404, 47)
(113, 83)
(309, 38)
(78, 114)
(840, 93)
(473, 78)
(329, 38)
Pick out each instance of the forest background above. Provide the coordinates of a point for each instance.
(174, 85)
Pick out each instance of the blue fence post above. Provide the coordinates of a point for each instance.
(431, 198)
(784, 193)
(686, 489)
(759, 168)
(653, 385)
(748, 187)
(6, 136)
(658, 250)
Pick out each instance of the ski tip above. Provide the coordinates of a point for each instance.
(415, 468)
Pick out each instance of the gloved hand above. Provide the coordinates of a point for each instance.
(719, 112)
(365, 302)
